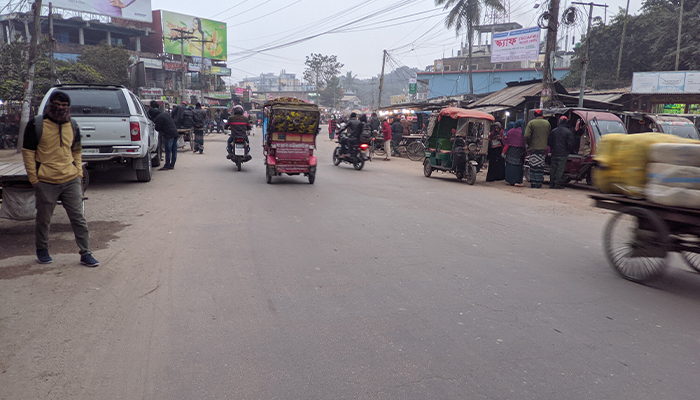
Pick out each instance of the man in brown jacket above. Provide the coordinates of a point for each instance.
(52, 157)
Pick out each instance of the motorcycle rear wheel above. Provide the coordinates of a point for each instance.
(336, 156)
(359, 164)
(471, 174)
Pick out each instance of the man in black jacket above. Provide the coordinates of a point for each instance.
(239, 126)
(561, 142)
(374, 123)
(396, 135)
(177, 111)
(354, 128)
(199, 117)
(168, 132)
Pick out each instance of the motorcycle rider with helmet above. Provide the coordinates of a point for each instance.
(354, 128)
(239, 125)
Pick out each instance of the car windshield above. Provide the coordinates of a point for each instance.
(603, 127)
(102, 102)
(685, 130)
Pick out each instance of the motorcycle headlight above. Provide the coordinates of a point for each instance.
(472, 147)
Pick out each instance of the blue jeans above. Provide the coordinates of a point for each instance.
(170, 152)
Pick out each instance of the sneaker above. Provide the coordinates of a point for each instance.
(43, 256)
(229, 156)
(89, 260)
(163, 169)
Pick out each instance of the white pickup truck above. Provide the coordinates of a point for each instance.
(114, 126)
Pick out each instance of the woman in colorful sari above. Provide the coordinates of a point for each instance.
(514, 152)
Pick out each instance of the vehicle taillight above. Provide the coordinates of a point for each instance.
(240, 140)
(364, 146)
(135, 132)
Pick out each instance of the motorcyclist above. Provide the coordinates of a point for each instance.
(354, 128)
(239, 125)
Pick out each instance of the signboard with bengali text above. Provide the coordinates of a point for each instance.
(516, 45)
(135, 10)
(686, 82)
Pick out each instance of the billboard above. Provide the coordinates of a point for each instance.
(213, 32)
(135, 10)
(687, 82)
(516, 45)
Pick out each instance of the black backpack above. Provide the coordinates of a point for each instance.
(199, 118)
(39, 129)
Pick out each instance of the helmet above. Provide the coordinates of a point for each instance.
(238, 110)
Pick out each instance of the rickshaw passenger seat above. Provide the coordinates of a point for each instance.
(444, 144)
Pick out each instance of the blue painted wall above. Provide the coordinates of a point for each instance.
(456, 83)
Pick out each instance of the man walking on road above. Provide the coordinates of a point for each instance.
(52, 156)
(166, 127)
(199, 117)
(536, 136)
(561, 142)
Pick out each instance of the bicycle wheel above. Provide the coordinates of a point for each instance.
(416, 151)
(379, 149)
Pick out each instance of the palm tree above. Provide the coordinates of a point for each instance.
(466, 14)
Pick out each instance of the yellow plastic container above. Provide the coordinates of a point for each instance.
(622, 161)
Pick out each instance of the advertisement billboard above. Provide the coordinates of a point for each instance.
(135, 10)
(213, 34)
(516, 45)
(687, 82)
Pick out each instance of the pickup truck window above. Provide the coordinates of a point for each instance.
(137, 104)
(96, 102)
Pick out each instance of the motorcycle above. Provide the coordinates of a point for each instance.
(239, 151)
(357, 154)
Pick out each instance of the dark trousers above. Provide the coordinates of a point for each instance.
(556, 171)
(71, 195)
(170, 152)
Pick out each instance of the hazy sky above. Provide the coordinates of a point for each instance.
(357, 31)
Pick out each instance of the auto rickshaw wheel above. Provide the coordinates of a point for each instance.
(471, 174)
(427, 168)
(459, 175)
(312, 177)
(636, 244)
(268, 175)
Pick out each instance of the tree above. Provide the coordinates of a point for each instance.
(350, 82)
(112, 62)
(13, 69)
(465, 14)
(332, 93)
(321, 69)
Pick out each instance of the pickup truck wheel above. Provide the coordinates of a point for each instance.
(144, 175)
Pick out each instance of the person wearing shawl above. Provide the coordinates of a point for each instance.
(536, 136)
(514, 152)
(496, 170)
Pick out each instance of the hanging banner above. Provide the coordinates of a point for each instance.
(213, 34)
(135, 10)
(517, 45)
(220, 71)
(172, 65)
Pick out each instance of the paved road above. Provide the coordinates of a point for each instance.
(378, 284)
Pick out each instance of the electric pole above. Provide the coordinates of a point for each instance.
(201, 68)
(678, 45)
(622, 41)
(182, 39)
(381, 82)
(584, 59)
(31, 68)
(52, 65)
(549, 92)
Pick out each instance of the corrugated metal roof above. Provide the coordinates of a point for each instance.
(490, 109)
(509, 97)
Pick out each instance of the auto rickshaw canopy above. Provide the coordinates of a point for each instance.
(456, 113)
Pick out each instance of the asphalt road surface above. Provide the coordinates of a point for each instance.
(372, 284)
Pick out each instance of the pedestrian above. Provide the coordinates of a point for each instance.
(198, 119)
(217, 120)
(561, 142)
(406, 125)
(514, 152)
(536, 136)
(374, 123)
(386, 134)
(332, 126)
(52, 155)
(165, 126)
(176, 114)
(396, 135)
(497, 166)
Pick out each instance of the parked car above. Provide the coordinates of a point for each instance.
(588, 126)
(114, 126)
(637, 122)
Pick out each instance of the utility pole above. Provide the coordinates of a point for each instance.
(678, 45)
(29, 86)
(622, 41)
(549, 92)
(182, 39)
(381, 82)
(584, 60)
(201, 68)
(52, 65)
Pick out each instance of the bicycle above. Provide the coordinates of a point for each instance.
(416, 149)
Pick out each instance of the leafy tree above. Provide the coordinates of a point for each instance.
(465, 14)
(111, 62)
(332, 92)
(13, 69)
(321, 69)
(349, 82)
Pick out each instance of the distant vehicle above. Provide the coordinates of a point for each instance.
(663, 123)
(114, 126)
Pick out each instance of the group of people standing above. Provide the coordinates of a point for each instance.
(507, 151)
(391, 132)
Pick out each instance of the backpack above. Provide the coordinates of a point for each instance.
(366, 135)
(39, 129)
